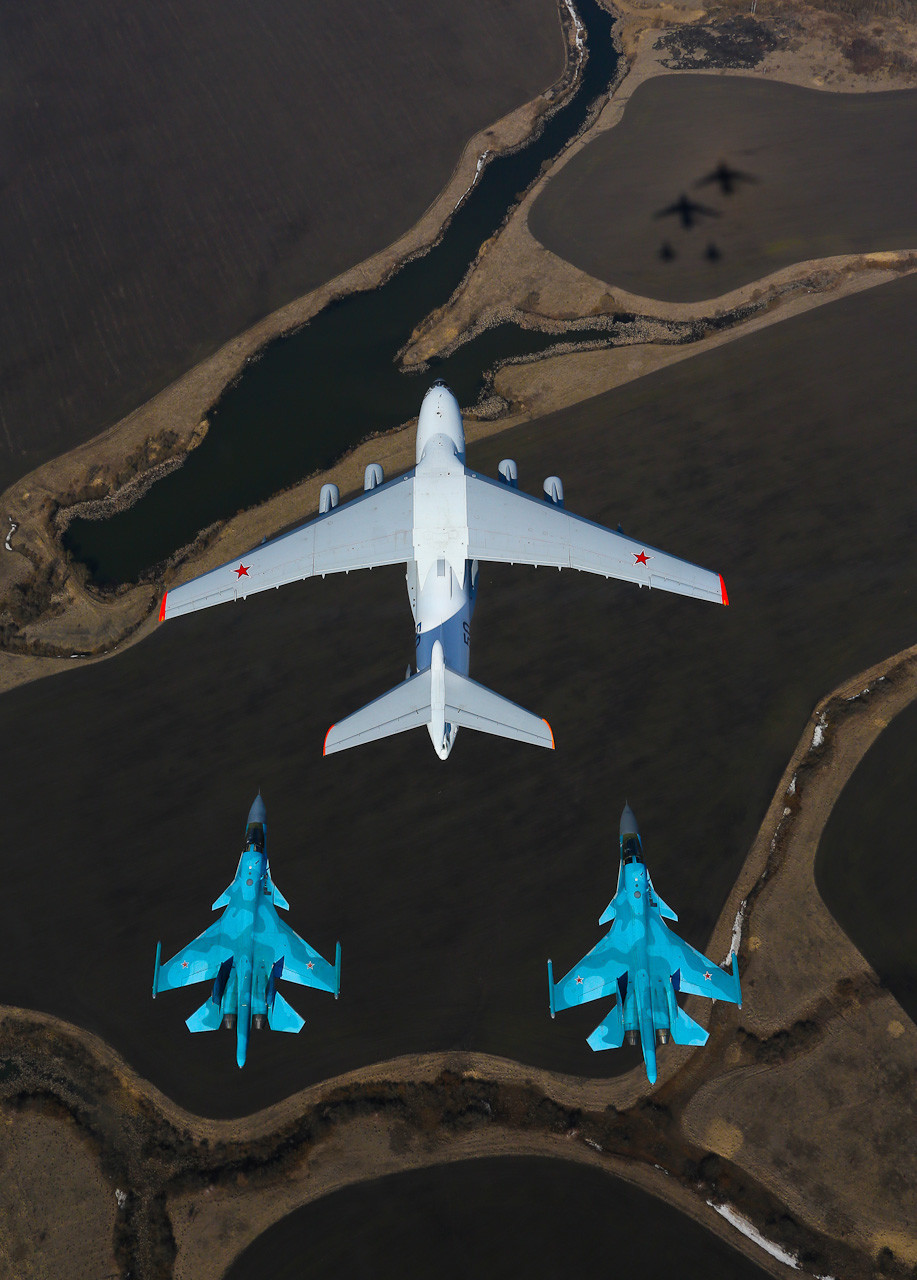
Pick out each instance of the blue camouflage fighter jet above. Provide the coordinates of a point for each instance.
(247, 951)
(643, 965)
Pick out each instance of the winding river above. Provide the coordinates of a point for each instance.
(313, 394)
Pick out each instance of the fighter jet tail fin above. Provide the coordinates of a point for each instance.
(206, 1018)
(609, 1034)
(283, 1017)
(685, 1030)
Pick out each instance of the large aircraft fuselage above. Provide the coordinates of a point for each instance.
(441, 580)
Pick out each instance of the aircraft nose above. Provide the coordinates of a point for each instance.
(628, 825)
(257, 813)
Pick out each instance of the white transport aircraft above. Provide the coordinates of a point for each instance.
(441, 520)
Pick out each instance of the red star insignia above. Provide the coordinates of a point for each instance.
(641, 558)
(580, 981)
(184, 964)
(708, 976)
(242, 571)
(310, 965)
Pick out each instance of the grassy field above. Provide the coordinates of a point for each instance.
(865, 869)
(499, 1218)
(825, 174)
(172, 175)
(784, 460)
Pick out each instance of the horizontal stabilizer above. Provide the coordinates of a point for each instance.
(405, 707)
(283, 1017)
(206, 1018)
(278, 899)
(609, 1034)
(473, 706)
(685, 1030)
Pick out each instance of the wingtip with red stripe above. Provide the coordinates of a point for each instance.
(162, 608)
(723, 589)
(550, 731)
(325, 743)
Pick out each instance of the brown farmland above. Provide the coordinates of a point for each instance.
(175, 173)
(784, 460)
(814, 175)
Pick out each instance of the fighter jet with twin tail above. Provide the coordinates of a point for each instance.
(247, 951)
(643, 965)
(442, 521)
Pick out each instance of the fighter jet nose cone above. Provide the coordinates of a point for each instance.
(628, 822)
(258, 812)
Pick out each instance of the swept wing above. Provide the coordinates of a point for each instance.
(511, 527)
(199, 961)
(698, 976)
(301, 963)
(595, 976)
(373, 529)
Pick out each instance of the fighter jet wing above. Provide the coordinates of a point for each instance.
(374, 529)
(302, 963)
(697, 976)
(199, 961)
(595, 976)
(512, 527)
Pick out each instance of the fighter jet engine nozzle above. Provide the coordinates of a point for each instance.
(509, 473)
(328, 499)
(662, 1035)
(229, 1021)
(554, 490)
(373, 476)
(258, 1020)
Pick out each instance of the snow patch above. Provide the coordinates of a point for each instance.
(580, 29)
(791, 789)
(482, 159)
(121, 1197)
(9, 537)
(591, 1143)
(818, 736)
(736, 940)
(751, 1232)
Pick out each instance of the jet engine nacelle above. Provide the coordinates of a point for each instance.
(329, 498)
(258, 1021)
(229, 1021)
(662, 1035)
(554, 490)
(509, 473)
(373, 476)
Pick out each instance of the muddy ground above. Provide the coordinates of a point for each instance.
(174, 176)
(783, 461)
(807, 174)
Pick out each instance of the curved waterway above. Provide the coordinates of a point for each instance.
(313, 394)
(506, 1217)
(865, 868)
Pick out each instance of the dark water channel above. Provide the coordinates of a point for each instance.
(491, 1218)
(865, 867)
(315, 393)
